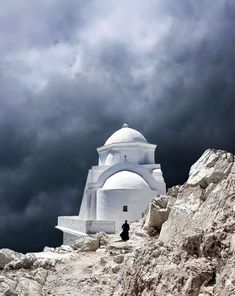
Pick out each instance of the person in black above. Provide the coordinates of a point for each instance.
(125, 231)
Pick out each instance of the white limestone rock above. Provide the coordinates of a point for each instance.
(25, 287)
(136, 229)
(40, 275)
(118, 259)
(87, 244)
(157, 213)
(232, 243)
(91, 243)
(173, 191)
(115, 268)
(104, 260)
(49, 249)
(212, 166)
(207, 198)
(103, 238)
(25, 261)
(64, 249)
(48, 260)
(19, 285)
(6, 256)
(7, 283)
(164, 270)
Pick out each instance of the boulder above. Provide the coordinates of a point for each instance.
(91, 243)
(7, 284)
(103, 238)
(64, 249)
(87, 244)
(49, 249)
(18, 285)
(6, 256)
(25, 261)
(40, 275)
(157, 213)
(4, 259)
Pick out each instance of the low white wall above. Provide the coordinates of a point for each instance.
(86, 226)
(72, 222)
(94, 226)
(110, 204)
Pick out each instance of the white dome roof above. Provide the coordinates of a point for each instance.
(126, 135)
(125, 180)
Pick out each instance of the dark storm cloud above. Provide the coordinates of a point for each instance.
(73, 72)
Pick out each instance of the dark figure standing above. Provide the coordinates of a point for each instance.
(125, 231)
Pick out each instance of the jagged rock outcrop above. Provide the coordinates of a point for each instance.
(195, 253)
(205, 200)
(158, 211)
(6, 256)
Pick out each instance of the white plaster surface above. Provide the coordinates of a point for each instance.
(127, 135)
(141, 170)
(110, 204)
(75, 226)
(136, 152)
(125, 180)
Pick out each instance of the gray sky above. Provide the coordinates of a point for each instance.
(72, 72)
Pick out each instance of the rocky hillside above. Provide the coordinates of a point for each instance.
(185, 245)
(194, 254)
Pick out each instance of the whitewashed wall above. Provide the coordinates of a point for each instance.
(140, 155)
(110, 204)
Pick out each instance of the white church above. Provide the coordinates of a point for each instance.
(119, 188)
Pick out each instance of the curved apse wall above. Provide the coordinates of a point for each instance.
(110, 204)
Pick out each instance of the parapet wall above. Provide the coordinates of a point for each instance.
(75, 225)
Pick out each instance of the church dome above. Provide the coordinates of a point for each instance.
(125, 135)
(125, 180)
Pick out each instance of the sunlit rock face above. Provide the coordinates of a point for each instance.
(195, 252)
(119, 188)
(205, 200)
(157, 213)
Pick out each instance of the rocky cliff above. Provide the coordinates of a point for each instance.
(194, 254)
(185, 245)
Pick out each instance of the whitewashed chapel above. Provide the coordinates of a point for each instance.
(119, 188)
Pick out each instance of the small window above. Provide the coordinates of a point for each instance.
(125, 209)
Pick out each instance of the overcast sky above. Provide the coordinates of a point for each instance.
(72, 72)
